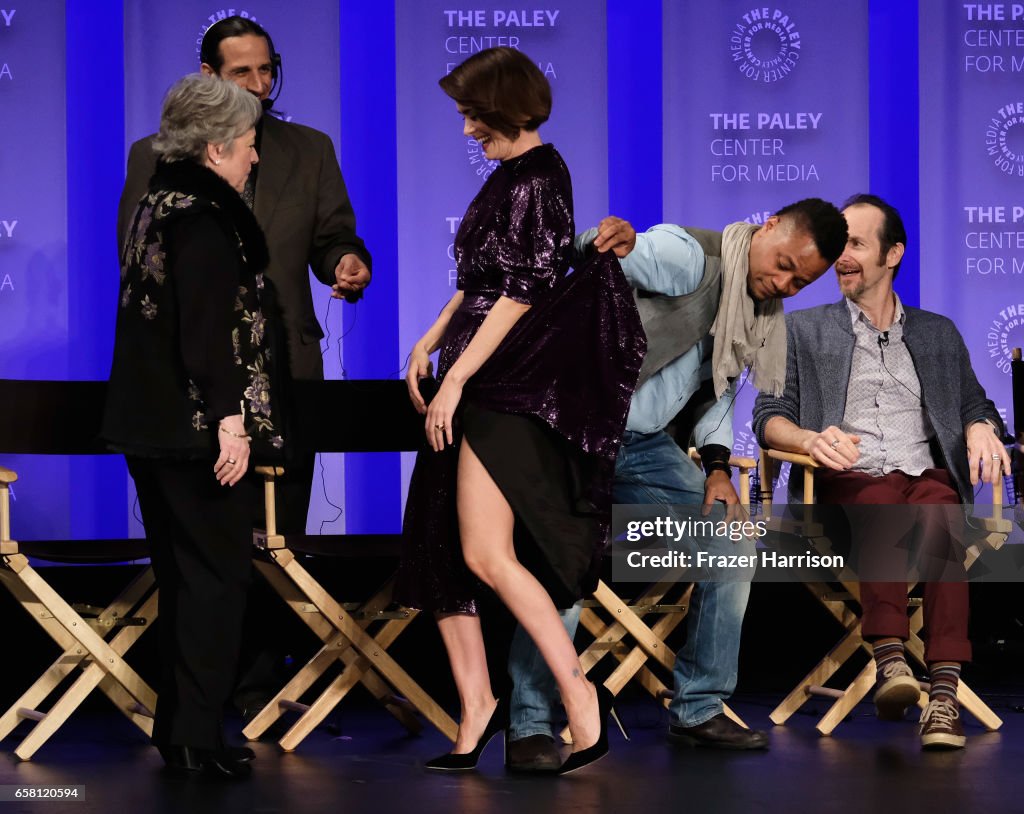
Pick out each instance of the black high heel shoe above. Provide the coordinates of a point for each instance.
(465, 761)
(584, 757)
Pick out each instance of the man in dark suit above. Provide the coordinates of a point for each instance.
(884, 398)
(299, 198)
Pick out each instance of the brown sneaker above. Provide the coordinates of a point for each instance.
(897, 690)
(941, 727)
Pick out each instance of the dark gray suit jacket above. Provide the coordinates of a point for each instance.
(303, 208)
(820, 345)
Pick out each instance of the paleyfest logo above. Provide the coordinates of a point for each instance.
(1004, 334)
(765, 45)
(215, 18)
(481, 164)
(1004, 139)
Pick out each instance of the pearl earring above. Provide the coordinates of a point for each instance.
(216, 161)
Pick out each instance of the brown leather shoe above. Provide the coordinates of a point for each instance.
(534, 754)
(897, 691)
(720, 732)
(941, 727)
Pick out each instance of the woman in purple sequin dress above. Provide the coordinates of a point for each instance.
(536, 370)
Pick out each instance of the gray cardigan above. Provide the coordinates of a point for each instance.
(819, 354)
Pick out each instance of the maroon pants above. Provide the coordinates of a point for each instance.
(885, 603)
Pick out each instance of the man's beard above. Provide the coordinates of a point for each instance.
(855, 293)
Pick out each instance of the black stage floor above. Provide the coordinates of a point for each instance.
(367, 763)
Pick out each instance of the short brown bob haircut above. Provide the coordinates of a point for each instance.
(503, 88)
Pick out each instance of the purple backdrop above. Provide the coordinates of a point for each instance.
(33, 240)
(972, 178)
(440, 170)
(763, 106)
(717, 58)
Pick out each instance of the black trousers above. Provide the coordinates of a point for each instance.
(200, 538)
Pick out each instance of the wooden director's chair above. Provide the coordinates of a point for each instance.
(610, 619)
(342, 416)
(93, 641)
(840, 600)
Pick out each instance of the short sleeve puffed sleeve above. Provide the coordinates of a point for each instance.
(539, 240)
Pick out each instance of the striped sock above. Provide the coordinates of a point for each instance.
(885, 654)
(944, 679)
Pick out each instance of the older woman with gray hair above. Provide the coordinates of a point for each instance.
(190, 403)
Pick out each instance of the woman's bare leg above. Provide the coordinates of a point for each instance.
(485, 525)
(464, 642)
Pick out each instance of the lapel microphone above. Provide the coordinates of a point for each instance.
(883, 340)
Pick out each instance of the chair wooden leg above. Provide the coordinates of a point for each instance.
(357, 669)
(55, 717)
(290, 693)
(399, 707)
(72, 656)
(367, 646)
(654, 686)
(127, 705)
(605, 636)
(850, 642)
(970, 701)
(818, 676)
(852, 696)
(325, 703)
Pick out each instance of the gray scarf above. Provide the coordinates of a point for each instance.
(745, 336)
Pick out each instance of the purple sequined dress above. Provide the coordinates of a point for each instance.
(545, 413)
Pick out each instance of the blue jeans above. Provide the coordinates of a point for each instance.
(534, 693)
(652, 469)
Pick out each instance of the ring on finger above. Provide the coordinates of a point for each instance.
(232, 461)
(835, 443)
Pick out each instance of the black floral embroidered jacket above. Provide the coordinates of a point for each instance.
(192, 342)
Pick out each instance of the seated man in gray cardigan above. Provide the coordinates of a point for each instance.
(884, 398)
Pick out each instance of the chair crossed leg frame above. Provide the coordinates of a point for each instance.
(344, 630)
(627, 619)
(813, 684)
(991, 532)
(101, 661)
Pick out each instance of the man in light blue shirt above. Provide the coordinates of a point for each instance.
(696, 289)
